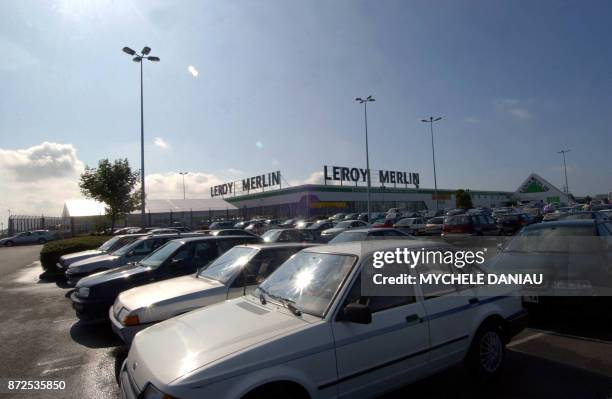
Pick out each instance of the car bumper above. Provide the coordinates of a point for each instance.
(517, 323)
(126, 333)
(90, 310)
(128, 388)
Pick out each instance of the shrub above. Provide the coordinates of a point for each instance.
(52, 251)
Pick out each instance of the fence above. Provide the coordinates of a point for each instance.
(21, 223)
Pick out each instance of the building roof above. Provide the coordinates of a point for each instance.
(88, 207)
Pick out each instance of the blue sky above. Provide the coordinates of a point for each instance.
(515, 81)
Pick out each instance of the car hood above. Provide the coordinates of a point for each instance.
(83, 254)
(204, 336)
(156, 293)
(100, 260)
(111, 275)
(334, 230)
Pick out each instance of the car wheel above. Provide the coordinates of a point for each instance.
(42, 241)
(9, 243)
(487, 353)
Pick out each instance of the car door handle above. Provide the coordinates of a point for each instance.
(474, 301)
(413, 319)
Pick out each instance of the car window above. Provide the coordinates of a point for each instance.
(375, 303)
(435, 290)
(392, 233)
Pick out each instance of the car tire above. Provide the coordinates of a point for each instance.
(486, 356)
(8, 244)
(42, 241)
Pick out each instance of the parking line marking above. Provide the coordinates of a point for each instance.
(526, 339)
(558, 334)
(49, 371)
(61, 359)
(64, 320)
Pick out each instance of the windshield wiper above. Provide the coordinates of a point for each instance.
(292, 308)
(288, 303)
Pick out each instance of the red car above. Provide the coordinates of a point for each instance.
(384, 223)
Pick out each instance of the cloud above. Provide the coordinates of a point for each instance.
(37, 180)
(233, 172)
(515, 108)
(47, 160)
(161, 143)
(314, 178)
(169, 185)
(193, 71)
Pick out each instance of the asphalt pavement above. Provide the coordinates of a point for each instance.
(559, 356)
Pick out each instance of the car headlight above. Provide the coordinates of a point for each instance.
(82, 292)
(153, 393)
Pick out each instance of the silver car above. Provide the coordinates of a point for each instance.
(29, 237)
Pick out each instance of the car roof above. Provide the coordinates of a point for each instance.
(559, 223)
(368, 230)
(202, 237)
(360, 248)
(278, 245)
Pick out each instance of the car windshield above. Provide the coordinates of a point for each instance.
(161, 254)
(108, 244)
(348, 236)
(127, 248)
(550, 239)
(227, 265)
(344, 224)
(309, 281)
(318, 224)
(271, 235)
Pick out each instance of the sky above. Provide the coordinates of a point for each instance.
(247, 87)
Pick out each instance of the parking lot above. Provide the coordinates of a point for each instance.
(561, 355)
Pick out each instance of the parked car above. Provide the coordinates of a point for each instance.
(433, 226)
(373, 216)
(242, 225)
(573, 256)
(235, 273)
(123, 230)
(307, 331)
(130, 253)
(510, 223)
(109, 246)
(257, 228)
(535, 213)
(165, 231)
(328, 234)
(411, 225)
(552, 216)
(383, 223)
(478, 225)
(583, 215)
(351, 216)
(95, 294)
(289, 235)
(303, 224)
(369, 234)
(29, 237)
(288, 223)
(321, 225)
(337, 216)
(226, 224)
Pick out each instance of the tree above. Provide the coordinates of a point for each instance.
(113, 184)
(463, 199)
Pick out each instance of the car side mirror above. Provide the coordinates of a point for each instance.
(357, 313)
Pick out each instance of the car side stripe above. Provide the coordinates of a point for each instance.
(391, 362)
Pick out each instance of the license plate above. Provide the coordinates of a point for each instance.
(531, 299)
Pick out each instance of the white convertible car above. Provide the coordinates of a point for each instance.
(235, 273)
(307, 331)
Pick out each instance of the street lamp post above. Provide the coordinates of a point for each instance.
(144, 55)
(431, 121)
(183, 174)
(365, 114)
(562, 152)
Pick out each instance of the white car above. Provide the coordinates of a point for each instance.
(307, 332)
(235, 273)
(411, 225)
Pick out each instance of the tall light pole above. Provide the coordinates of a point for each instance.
(365, 114)
(562, 152)
(183, 174)
(144, 55)
(431, 121)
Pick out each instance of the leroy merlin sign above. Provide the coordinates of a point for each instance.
(378, 177)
